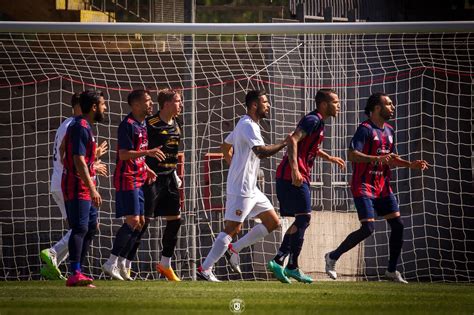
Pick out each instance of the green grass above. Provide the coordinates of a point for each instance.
(270, 297)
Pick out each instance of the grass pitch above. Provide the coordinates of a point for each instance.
(263, 297)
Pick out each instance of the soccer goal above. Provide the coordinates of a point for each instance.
(426, 68)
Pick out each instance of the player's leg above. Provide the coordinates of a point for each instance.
(219, 247)
(55, 255)
(78, 218)
(144, 222)
(302, 221)
(237, 208)
(263, 209)
(389, 209)
(92, 229)
(169, 207)
(365, 211)
(127, 205)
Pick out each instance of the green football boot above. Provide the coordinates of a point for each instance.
(278, 271)
(298, 275)
(49, 258)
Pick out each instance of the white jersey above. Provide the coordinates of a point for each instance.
(243, 171)
(57, 161)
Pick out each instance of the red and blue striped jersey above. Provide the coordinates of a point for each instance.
(132, 135)
(372, 180)
(79, 140)
(313, 126)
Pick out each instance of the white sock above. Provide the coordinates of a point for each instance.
(165, 261)
(121, 261)
(113, 260)
(62, 248)
(257, 233)
(218, 249)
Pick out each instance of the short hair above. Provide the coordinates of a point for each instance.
(374, 100)
(75, 99)
(323, 95)
(89, 98)
(136, 95)
(253, 96)
(166, 95)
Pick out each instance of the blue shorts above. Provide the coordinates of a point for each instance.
(81, 213)
(293, 200)
(129, 202)
(366, 207)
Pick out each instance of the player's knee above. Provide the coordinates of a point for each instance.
(302, 221)
(396, 224)
(133, 222)
(367, 228)
(92, 231)
(173, 226)
(80, 230)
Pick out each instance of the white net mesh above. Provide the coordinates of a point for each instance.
(428, 76)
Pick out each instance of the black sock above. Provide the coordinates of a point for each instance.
(365, 230)
(395, 242)
(284, 250)
(133, 251)
(170, 237)
(297, 239)
(122, 240)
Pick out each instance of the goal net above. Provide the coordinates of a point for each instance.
(428, 75)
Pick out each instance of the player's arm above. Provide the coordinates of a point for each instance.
(333, 159)
(133, 154)
(417, 164)
(82, 170)
(264, 151)
(359, 157)
(228, 151)
(292, 151)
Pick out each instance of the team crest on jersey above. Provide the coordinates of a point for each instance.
(164, 132)
(238, 212)
(390, 139)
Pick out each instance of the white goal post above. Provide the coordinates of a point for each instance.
(426, 68)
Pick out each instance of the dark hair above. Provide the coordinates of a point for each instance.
(136, 95)
(75, 99)
(253, 96)
(323, 95)
(89, 98)
(166, 95)
(374, 100)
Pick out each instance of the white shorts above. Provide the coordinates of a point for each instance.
(237, 208)
(59, 198)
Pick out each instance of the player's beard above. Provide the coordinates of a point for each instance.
(386, 115)
(261, 113)
(98, 116)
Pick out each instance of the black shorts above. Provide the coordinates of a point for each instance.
(162, 197)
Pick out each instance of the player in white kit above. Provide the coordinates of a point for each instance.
(243, 148)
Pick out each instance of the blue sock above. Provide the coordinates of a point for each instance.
(75, 266)
(395, 242)
(284, 250)
(297, 239)
(366, 229)
(139, 234)
(122, 241)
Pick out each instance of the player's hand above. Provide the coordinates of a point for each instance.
(156, 153)
(386, 159)
(150, 176)
(101, 149)
(101, 168)
(96, 198)
(419, 165)
(287, 139)
(338, 161)
(296, 178)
